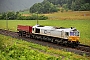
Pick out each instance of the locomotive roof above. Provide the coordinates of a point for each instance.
(54, 28)
(43, 27)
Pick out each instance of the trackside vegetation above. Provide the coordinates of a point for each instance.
(15, 49)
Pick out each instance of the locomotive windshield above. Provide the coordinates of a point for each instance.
(76, 33)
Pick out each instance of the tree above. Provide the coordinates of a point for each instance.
(44, 7)
(75, 5)
(18, 15)
(11, 16)
(65, 6)
(36, 7)
(85, 6)
(3, 16)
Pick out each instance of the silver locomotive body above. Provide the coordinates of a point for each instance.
(62, 35)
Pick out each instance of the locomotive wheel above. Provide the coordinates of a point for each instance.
(54, 41)
(20, 33)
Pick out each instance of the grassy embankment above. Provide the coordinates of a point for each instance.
(14, 49)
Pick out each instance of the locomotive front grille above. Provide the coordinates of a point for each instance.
(73, 38)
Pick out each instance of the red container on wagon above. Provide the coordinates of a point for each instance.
(24, 28)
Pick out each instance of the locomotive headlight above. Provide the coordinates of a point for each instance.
(73, 38)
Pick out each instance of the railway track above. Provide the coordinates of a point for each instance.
(81, 49)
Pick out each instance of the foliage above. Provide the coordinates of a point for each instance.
(1, 43)
(15, 50)
(85, 6)
(80, 5)
(11, 15)
(76, 5)
(0, 17)
(22, 50)
(62, 10)
(18, 16)
(42, 17)
(34, 16)
(3, 16)
(49, 6)
(65, 6)
(44, 7)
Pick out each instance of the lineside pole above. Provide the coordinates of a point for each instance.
(37, 17)
(6, 22)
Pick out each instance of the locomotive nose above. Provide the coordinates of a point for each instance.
(73, 38)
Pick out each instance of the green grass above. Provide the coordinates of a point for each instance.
(82, 25)
(14, 49)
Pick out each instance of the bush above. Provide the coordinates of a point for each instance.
(62, 10)
(42, 17)
(18, 16)
(1, 43)
(0, 17)
(11, 16)
(35, 17)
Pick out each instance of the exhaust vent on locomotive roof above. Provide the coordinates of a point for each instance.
(72, 27)
(40, 26)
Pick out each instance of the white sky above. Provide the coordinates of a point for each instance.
(16, 5)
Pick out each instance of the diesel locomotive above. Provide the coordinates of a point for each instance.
(60, 35)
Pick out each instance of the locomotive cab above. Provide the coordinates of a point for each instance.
(74, 36)
(35, 29)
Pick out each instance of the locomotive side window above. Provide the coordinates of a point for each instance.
(76, 33)
(67, 34)
(37, 30)
(33, 29)
(45, 31)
